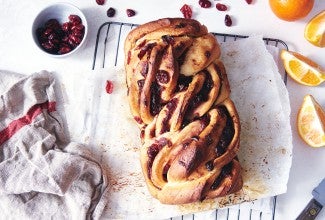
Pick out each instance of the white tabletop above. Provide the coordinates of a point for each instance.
(19, 54)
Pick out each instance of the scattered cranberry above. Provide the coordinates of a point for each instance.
(187, 11)
(61, 39)
(221, 7)
(249, 1)
(100, 2)
(109, 87)
(228, 21)
(205, 3)
(130, 12)
(110, 12)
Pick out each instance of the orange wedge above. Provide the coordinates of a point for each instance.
(315, 30)
(302, 69)
(311, 122)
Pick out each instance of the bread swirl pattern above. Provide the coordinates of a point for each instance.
(178, 93)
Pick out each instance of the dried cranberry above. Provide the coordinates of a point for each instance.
(187, 11)
(54, 42)
(228, 21)
(79, 27)
(65, 39)
(52, 36)
(48, 31)
(72, 43)
(109, 87)
(249, 1)
(138, 119)
(130, 12)
(221, 7)
(64, 45)
(140, 83)
(74, 19)
(73, 38)
(40, 35)
(100, 2)
(209, 165)
(66, 26)
(153, 150)
(64, 50)
(110, 12)
(78, 34)
(205, 3)
(52, 24)
(162, 76)
(168, 39)
(47, 46)
(207, 54)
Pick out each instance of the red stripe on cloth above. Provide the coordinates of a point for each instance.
(17, 124)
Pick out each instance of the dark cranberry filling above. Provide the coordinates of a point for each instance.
(202, 96)
(180, 25)
(171, 106)
(183, 82)
(146, 50)
(224, 173)
(145, 68)
(227, 133)
(168, 39)
(140, 84)
(162, 76)
(209, 165)
(154, 149)
(155, 103)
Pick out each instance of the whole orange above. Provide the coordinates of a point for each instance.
(291, 10)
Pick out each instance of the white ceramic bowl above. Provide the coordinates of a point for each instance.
(61, 12)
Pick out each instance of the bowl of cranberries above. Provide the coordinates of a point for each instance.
(60, 29)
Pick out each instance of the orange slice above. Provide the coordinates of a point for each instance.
(311, 122)
(315, 30)
(302, 69)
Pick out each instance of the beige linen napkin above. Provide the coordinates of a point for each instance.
(42, 174)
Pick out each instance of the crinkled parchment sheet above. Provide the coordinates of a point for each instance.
(103, 121)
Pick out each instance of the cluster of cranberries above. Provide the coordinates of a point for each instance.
(111, 11)
(187, 11)
(61, 39)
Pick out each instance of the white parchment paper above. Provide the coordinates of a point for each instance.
(103, 121)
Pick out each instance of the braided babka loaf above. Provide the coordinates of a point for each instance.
(178, 93)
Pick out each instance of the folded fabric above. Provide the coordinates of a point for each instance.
(42, 174)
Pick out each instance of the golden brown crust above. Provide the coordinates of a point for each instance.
(179, 95)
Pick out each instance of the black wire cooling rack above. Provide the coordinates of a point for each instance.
(109, 52)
